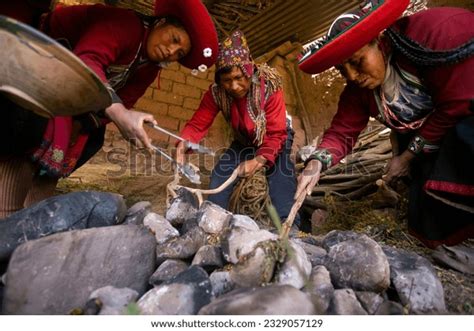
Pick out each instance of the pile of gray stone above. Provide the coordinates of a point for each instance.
(86, 253)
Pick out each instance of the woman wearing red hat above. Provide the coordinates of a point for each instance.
(417, 77)
(251, 99)
(126, 51)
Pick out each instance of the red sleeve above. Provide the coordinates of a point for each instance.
(351, 118)
(199, 124)
(137, 84)
(276, 133)
(100, 35)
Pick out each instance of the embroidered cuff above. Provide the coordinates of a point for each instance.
(322, 155)
(420, 145)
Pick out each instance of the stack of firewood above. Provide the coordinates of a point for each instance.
(356, 175)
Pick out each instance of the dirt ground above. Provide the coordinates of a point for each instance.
(96, 175)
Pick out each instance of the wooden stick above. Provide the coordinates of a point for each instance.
(291, 216)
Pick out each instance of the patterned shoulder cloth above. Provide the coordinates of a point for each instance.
(265, 82)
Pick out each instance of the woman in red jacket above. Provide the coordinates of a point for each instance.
(126, 51)
(251, 99)
(417, 77)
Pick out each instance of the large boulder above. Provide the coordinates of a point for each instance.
(73, 211)
(55, 274)
(356, 261)
(415, 281)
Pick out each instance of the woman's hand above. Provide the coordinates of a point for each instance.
(249, 167)
(180, 152)
(398, 166)
(309, 177)
(130, 124)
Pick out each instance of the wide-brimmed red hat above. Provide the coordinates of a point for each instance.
(198, 24)
(366, 24)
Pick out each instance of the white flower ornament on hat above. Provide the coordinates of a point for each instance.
(207, 52)
(202, 68)
(194, 72)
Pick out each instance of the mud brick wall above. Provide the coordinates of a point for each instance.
(173, 101)
(174, 98)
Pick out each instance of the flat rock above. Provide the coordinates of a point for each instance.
(114, 300)
(73, 211)
(358, 262)
(184, 206)
(415, 281)
(296, 268)
(168, 270)
(320, 289)
(240, 242)
(183, 295)
(315, 253)
(183, 247)
(255, 269)
(344, 302)
(137, 212)
(221, 282)
(268, 300)
(208, 257)
(243, 221)
(55, 274)
(370, 301)
(160, 227)
(213, 218)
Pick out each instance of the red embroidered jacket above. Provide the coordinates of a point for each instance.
(275, 114)
(451, 86)
(103, 36)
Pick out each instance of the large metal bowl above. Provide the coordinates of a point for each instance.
(41, 75)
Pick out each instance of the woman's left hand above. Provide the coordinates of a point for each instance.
(249, 167)
(399, 166)
(130, 124)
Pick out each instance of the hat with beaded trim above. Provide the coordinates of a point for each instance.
(201, 30)
(350, 32)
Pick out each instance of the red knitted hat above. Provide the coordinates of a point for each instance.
(234, 51)
(350, 32)
(198, 24)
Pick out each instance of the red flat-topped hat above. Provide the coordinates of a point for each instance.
(350, 32)
(198, 24)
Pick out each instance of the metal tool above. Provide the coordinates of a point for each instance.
(195, 147)
(186, 169)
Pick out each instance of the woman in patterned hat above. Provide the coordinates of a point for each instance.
(251, 99)
(417, 77)
(127, 51)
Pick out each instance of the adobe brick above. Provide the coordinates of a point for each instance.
(187, 91)
(169, 123)
(203, 84)
(191, 103)
(148, 93)
(165, 85)
(175, 76)
(151, 106)
(168, 97)
(180, 113)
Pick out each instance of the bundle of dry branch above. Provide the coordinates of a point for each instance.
(355, 176)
